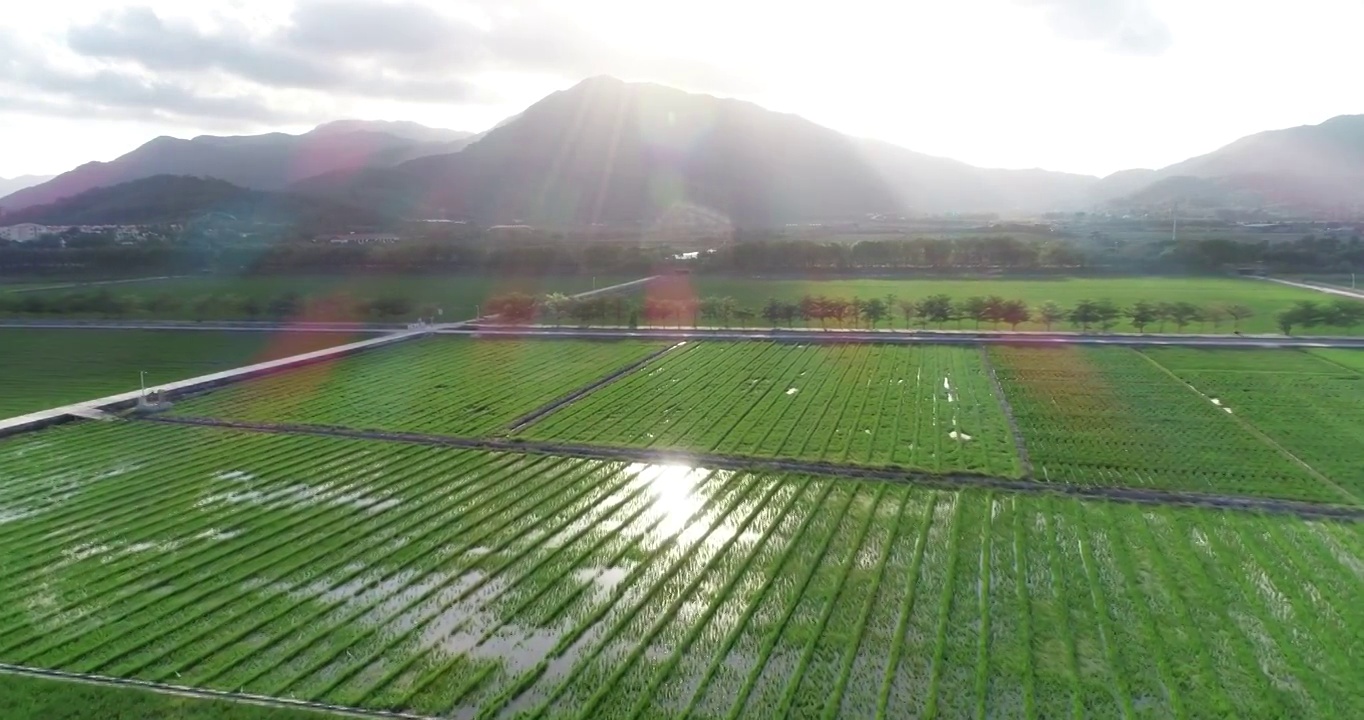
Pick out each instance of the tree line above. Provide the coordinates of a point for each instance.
(932, 311)
(219, 306)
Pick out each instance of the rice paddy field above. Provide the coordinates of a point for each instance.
(322, 297)
(1264, 298)
(456, 583)
(535, 581)
(41, 369)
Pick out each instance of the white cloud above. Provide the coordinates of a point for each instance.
(1081, 85)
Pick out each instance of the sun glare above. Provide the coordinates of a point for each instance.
(673, 488)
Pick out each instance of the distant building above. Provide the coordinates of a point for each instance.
(363, 239)
(25, 232)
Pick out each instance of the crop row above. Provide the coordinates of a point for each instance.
(1111, 416)
(1310, 406)
(438, 581)
(926, 407)
(438, 385)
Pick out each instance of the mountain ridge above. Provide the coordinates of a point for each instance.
(268, 161)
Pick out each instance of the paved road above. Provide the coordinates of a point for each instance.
(1342, 292)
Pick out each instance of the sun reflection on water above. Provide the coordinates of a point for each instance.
(673, 488)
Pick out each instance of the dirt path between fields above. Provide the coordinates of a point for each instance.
(535, 415)
(1144, 496)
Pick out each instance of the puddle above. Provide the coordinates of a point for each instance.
(792, 391)
(11, 514)
(215, 534)
(233, 475)
(605, 580)
(958, 435)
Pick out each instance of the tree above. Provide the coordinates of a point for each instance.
(1084, 314)
(975, 308)
(1050, 313)
(910, 310)
(789, 312)
(1106, 314)
(772, 311)
(1183, 313)
(554, 305)
(1239, 313)
(1286, 320)
(1216, 314)
(936, 308)
(809, 309)
(855, 310)
(1164, 313)
(994, 310)
(875, 311)
(1142, 313)
(1015, 312)
(1344, 314)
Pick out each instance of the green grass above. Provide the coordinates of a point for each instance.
(41, 369)
(32, 698)
(386, 575)
(326, 298)
(923, 407)
(1111, 416)
(439, 385)
(1264, 298)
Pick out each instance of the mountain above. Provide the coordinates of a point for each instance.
(271, 161)
(607, 151)
(177, 199)
(15, 184)
(1306, 169)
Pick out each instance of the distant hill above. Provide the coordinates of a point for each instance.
(607, 151)
(177, 199)
(263, 162)
(1311, 168)
(15, 184)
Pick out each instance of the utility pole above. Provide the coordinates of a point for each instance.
(1174, 219)
(143, 378)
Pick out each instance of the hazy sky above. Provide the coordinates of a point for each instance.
(1089, 86)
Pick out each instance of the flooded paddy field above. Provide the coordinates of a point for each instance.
(461, 583)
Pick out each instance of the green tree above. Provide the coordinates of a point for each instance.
(936, 308)
(1238, 313)
(975, 308)
(772, 311)
(1142, 313)
(994, 310)
(1050, 313)
(1183, 313)
(1084, 314)
(1344, 313)
(1015, 312)
(875, 311)
(1106, 314)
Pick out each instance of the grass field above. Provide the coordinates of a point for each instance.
(1264, 298)
(324, 298)
(450, 582)
(41, 369)
(927, 407)
(437, 385)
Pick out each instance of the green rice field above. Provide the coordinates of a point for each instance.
(41, 369)
(387, 574)
(437, 385)
(923, 407)
(460, 583)
(1265, 299)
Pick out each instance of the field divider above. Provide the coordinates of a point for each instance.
(957, 481)
(207, 694)
(535, 415)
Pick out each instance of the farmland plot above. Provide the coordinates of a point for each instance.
(437, 385)
(385, 575)
(1312, 406)
(49, 368)
(1109, 416)
(924, 407)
